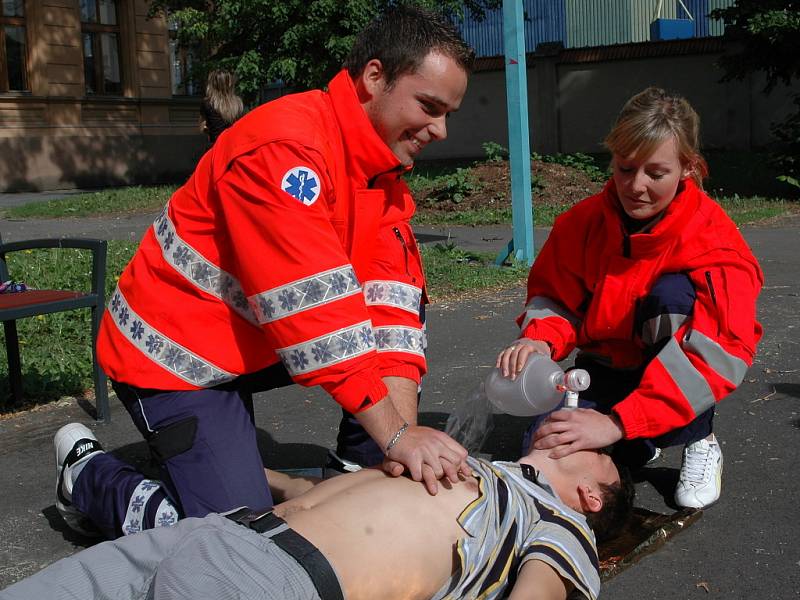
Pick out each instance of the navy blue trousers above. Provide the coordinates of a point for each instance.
(672, 294)
(204, 442)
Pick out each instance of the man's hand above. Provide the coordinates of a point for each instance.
(567, 431)
(511, 360)
(429, 455)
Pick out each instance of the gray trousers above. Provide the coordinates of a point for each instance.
(210, 558)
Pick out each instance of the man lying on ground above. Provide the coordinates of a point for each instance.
(521, 528)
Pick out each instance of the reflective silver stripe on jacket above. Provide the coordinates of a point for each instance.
(690, 381)
(400, 339)
(541, 307)
(393, 293)
(160, 349)
(726, 365)
(297, 296)
(328, 350)
(198, 270)
(134, 515)
(661, 327)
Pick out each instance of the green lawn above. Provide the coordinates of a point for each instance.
(112, 201)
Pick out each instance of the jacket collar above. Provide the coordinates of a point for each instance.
(676, 222)
(368, 156)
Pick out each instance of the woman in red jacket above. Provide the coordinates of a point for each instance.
(655, 286)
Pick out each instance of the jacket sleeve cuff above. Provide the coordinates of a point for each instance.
(358, 392)
(634, 422)
(408, 371)
(546, 334)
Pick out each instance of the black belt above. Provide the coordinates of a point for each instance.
(295, 545)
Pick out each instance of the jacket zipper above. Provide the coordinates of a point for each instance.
(626, 245)
(400, 237)
(636, 309)
(712, 291)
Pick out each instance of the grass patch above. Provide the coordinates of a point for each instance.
(137, 199)
(543, 216)
(756, 209)
(56, 349)
(451, 271)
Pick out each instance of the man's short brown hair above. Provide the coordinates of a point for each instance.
(402, 37)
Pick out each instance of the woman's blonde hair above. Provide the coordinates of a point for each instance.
(651, 117)
(221, 95)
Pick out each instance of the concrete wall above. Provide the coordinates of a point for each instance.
(57, 137)
(574, 97)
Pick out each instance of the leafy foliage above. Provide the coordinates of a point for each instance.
(578, 160)
(494, 152)
(299, 42)
(454, 186)
(768, 33)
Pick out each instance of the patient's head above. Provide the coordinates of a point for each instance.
(590, 482)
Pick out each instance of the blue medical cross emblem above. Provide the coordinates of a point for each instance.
(301, 183)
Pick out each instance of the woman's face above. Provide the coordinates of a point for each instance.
(646, 187)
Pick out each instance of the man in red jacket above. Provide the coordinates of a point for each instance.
(287, 257)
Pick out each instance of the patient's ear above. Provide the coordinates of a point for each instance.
(591, 500)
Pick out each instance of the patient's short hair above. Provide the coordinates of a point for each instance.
(609, 521)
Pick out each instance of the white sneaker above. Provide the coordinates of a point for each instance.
(337, 465)
(700, 481)
(75, 445)
(655, 457)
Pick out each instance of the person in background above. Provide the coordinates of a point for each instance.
(655, 286)
(221, 107)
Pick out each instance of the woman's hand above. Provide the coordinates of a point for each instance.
(511, 360)
(567, 431)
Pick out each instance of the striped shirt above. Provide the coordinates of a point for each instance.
(515, 520)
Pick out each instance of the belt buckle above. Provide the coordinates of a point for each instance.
(251, 517)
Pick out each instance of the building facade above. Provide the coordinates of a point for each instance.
(92, 93)
(96, 92)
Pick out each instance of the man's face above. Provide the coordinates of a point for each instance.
(412, 112)
(592, 463)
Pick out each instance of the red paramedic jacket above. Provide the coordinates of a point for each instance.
(289, 242)
(586, 284)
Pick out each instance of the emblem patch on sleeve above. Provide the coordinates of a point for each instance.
(301, 183)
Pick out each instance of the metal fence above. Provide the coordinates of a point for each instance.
(586, 23)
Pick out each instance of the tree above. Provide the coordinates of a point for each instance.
(300, 42)
(768, 36)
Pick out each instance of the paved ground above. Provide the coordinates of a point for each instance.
(743, 547)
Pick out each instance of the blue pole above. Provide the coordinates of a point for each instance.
(518, 144)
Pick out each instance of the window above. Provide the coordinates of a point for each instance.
(100, 30)
(13, 47)
(181, 59)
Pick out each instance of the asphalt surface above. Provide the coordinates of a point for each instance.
(745, 546)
